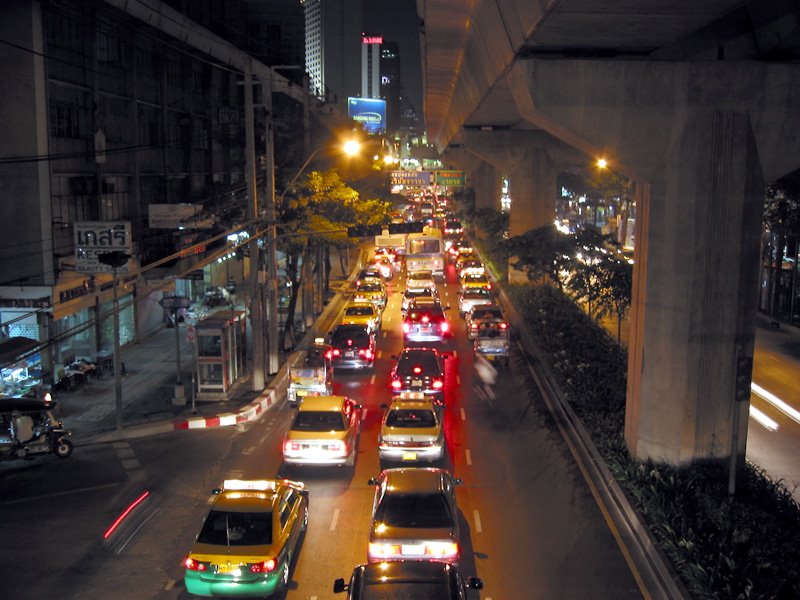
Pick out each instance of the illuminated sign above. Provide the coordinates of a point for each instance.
(371, 39)
(369, 112)
(98, 237)
(450, 178)
(411, 178)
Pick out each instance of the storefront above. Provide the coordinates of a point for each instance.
(221, 354)
(20, 368)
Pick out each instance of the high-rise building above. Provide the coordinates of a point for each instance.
(333, 48)
(371, 66)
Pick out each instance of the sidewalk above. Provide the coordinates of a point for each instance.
(148, 387)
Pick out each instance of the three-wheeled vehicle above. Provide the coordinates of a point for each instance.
(492, 341)
(29, 427)
(311, 372)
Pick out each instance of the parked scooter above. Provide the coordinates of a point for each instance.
(29, 428)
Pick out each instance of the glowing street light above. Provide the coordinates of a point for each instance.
(602, 163)
(352, 147)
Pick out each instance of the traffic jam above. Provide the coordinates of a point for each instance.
(422, 290)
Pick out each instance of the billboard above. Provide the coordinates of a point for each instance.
(98, 237)
(178, 216)
(369, 112)
(411, 178)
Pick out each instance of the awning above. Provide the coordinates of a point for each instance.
(13, 349)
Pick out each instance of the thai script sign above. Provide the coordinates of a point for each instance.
(93, 238)
(451, 178)
(412, 178)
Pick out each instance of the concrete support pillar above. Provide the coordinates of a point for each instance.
(533, 190)
(695, 295)
(486, 181)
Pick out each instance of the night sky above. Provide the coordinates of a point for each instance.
(397, 21)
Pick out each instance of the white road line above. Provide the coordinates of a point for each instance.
(170, 584)
(118, 445)
(335, 518)
(372, 379)
(125, 452)
(384, 334)
(455, 353)
(463, 415)
(379, 354)
(458, 379)
(760, 417)
(249, 451)
(364, 414)
(477, 517)
(468, 456)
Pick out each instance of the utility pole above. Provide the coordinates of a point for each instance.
(273, 357)
(256, 313)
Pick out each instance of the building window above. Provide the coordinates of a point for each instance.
(108, 48)
(64, 121)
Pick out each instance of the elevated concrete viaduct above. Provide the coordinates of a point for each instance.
(699, 103)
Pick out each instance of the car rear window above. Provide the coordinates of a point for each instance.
(487, 314)
(414, 510)
(359, 338)
(359, 311)
(409, 360)
(477, 293)
(407, 417)
(407, 590)
(312, 420)
(225, 528)
(369, 286)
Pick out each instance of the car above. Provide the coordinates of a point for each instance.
(414, 294)
(453, 227)
(371, 290)
(420, 279)
(323, 432)
(352, 347)
(461, 247)
(470, 280)
(464, 258)
(368, 272)
(425, 322)
(248, 540)
(414, 516)
(418, 370)
(472, 296)
(362, 313)
(411, 430)
(399, 579)
(386, 266)
(484, 314)
(471, 266)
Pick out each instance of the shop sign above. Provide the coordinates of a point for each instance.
(93, 238)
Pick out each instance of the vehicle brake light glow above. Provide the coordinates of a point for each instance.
(291, 446)
(425, 319)
(441, 549)
(124, 514)
(266, 566)
(397, 384)
(438, 384)
(336, 352)
(194, 565)
(366, 353)
(406, 327)
(503, 325)
(349, 342)
(473, 325)
(444, 326)
(416, 370)
(259, 485)
(384, 550)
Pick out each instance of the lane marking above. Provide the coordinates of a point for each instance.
(455, 353)
(131, 463)
(790, 412)
(476, 515)
(372, 379)
(335, 519)
(468, 456)
(463, 415)
(249, 451)
(763, 419)
(364, 413)
(458, 379)
(384, 334)
(170, 584)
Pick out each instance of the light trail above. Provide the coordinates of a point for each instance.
(789, 411)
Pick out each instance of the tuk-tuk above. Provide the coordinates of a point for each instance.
(311, 372)
(29, 427)
(493, 342)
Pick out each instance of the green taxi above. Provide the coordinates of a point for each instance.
(248, 540)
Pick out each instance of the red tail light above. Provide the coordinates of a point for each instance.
(290, 446)
(336, 352)
(416, 370)
(488, 286)
(266, 566)
(397, 384)
(503, 325)
(425, 319)
(444, 327)
(349, 342)
(438, 384)
(366, 353)
(473, 325)
(406, 327)
(193, 565)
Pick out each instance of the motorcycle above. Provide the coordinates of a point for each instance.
(29, 428)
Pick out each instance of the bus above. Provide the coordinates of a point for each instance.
(425, 251)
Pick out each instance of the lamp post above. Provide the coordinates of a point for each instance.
(115, 260)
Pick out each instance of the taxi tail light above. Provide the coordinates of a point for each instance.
(266, 566)
(425, 319)
(441, 549)
(194, 565)
(397, 384)
(336, 352)
(438, 384)
(473, 325)
(488, 286)
(503, 325)
(384, 550)
(416, 370)
(444, 326)
(290, 446)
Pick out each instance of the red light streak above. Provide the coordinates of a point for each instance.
(124, 514)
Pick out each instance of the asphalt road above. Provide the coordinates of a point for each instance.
(531, 527)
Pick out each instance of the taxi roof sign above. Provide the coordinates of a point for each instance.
(256, 485)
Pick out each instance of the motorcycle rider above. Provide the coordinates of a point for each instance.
(487, 374)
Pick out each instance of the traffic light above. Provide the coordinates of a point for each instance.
(744, 373)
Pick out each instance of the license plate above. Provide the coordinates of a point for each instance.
(302, 392)
(416, 382)
(350, 353)
(409, 456)
(225, 568)
(408, 549)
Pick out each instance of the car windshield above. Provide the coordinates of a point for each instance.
(477, 293)
(414, 510)
(407, 590)
(312, 420)
(369, 286)
(424, 360)
(487, 314)
(408, 417)
(359, 311)
(225, 528)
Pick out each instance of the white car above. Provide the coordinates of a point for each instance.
(420, 279)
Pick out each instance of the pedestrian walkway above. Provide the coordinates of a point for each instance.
(89, 410)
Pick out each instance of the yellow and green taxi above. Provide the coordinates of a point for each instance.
(362, 313)
(248, 540)
(371, 290)
(411, 430)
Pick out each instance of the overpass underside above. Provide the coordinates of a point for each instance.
(699, 120)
